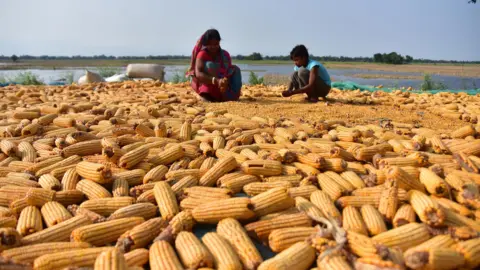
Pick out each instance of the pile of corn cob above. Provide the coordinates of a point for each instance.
(123, 175)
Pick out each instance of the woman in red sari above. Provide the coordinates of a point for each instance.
(212, 74)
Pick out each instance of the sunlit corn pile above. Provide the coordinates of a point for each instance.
(122, 176)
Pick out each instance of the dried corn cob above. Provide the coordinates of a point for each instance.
(95, 172)
(72, 258)
(156, 174)
(110, 260)
(141, 235)
(120, 188)
(54, 213)
(166, 201)
(434, 258)
(28, 254)
(299, 256)
(94, 217)
(133, 157)
(325, 204)
(133, 177)
(405, 236)
(373, 220)
(213, 212)
(48, 181)
(273, 200)
(10, 238)
(70, 179)
(30, 221)
(311, 210)
(192, 252)
(57, 233)
(302, 191)
(93, 190)
(353, 179)
(404, 180)
(329, 186)
(168, 156)
(353, 221)
(222, 252)
(8, 222)
(136, 258)
(163, 257)
(470, 251)
(256, 188)
(231, 230)
(262, 229)
(86, 148)
(281, 239)
(262, 167)
(388, 203)
(237, 184)
(69, 197)
(106, 232)
(106, 206)
(427, 209)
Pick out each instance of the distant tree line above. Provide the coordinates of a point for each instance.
(390, 58)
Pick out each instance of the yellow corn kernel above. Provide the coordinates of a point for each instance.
(163, 257)
(213, 212)
(100, 234)
(54, 213)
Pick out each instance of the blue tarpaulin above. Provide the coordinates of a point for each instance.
(355, 86)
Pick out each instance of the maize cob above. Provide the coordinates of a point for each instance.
(210, 192)
(133, 177)
(163, 257)
(8, 147)
(147, 196)
(237, 184)
(54, 213)
(451, 205)
(72, 258)
(8, 222)
(301, 168)
(337, 165)
(353, 221)
(329, 186)
(136, 258)
(168, 156)
(100, 234)
(223, 254)
(433, 183)
(28, 254)
(427, 209)
(69, 197)
(144, 210)
(70, 179)
(144, 131)
(388, 203)
(183, 221)
(299, 256)
(10, 238)
(192, 252)
(110, 260)
(48, 181)
(94, 217)
(344, 184)
(262, 167)
(166, 201)
(86, 148)
(404, 180)
(64, 122)
(156, 174)
(405, 236)
(95, 172)
(17, 181)
(74, 159)
(231, 230)
(57, 233)
(435, 258)
(311, 210)
(373, 220)
(196, 163)
(471, 252)
(321, 200)
(106, 206)
(313, 160)
(192, 203)
(273, 200)
(141, 235)
(30, 221)
(120, 188)
(133, 157)
(291, 210)
(213, 212)
(281, 239)
(37, 166)
(92, 190)
(293, 179)
(358, 201)
(207, 164)
(353, 179)
(222, 167)
(186, 182)
(27, 152)
(160, 130)
(262, 229)
(256, 188)
(186, 131)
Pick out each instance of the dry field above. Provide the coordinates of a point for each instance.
(125, 176)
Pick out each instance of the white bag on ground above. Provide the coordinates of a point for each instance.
(82, 80)
(152, 71)
(90, 77)
(117, 78)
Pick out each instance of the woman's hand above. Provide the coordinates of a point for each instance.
(223, 84)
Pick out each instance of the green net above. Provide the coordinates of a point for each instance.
(355, 86)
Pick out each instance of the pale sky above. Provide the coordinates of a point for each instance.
(434, 29)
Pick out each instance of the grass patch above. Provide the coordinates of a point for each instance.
(253, 79)
(23, 78)
(429, 84)
(276, 79)
(179, 77)
(106, 72)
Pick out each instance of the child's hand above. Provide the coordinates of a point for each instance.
(287, 93)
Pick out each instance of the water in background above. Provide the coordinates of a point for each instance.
(451, 82)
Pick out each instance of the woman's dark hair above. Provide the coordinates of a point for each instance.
(211, 34)
(299, 51)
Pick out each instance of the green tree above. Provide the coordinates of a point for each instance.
(14, 58)
(408, 59)
(255, 56)
(378, 58)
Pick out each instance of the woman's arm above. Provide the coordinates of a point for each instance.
(201, 75)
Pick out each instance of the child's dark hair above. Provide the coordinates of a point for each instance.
(299, 51)
(211, 34)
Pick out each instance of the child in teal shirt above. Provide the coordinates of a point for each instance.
(310, 77)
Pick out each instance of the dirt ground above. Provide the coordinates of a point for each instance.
(352, 114)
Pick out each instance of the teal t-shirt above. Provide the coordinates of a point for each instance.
(322, 71)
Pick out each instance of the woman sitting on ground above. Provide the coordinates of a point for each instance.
(212, 74)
